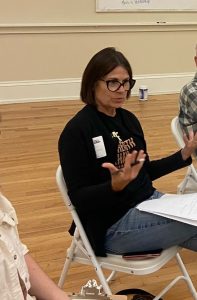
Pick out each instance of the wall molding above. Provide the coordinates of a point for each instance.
(58, 28)
(69, 88)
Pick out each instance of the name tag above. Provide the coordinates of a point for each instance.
(99, 146)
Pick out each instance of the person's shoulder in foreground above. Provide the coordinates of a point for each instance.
(21, 277)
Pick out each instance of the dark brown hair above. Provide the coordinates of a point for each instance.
(102, 63)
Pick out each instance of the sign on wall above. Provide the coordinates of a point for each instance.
(133, 5)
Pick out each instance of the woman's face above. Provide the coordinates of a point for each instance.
(107, 101)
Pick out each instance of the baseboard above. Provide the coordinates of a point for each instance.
(68, 89)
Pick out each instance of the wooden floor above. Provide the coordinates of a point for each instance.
(29, 158)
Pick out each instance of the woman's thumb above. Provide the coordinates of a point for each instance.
(110, 167)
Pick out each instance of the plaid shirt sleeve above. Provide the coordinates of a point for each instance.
(188, 106)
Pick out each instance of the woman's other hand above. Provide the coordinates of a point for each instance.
(121, 177)
(190, 144)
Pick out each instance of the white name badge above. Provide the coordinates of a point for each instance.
(99, 146)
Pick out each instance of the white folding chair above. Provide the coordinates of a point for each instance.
(80, 251)
(189, 183)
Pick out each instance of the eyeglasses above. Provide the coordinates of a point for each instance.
(114, 85)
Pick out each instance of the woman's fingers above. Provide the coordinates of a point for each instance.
(110, 167)
(132, 166)
(134, 158)
(191, 135)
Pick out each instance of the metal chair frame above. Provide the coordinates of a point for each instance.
(80, 251)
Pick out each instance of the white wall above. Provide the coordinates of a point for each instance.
(45, 46)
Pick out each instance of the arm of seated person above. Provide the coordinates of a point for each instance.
(42, 287)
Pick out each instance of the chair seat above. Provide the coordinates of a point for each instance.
(138, 267)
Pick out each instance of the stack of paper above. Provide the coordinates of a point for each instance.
(182, 208)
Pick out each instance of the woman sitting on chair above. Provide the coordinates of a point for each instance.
(107, 169)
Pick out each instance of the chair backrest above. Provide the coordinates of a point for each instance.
(63, 188)
(79, 231)
(177, 132)
(178, 135)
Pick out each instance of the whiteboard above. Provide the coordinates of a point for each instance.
(153, 5)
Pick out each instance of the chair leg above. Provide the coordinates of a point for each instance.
(168, 287)
(101, 277)
(111, 276)
(186, 276)
(98, 270)
(182, 186)
(67, 263)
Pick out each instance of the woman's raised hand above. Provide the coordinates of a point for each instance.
(121, 177)
(190, 144)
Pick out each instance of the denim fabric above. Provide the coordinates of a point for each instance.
(141, 231)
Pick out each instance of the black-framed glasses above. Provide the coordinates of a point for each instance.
(114, 85)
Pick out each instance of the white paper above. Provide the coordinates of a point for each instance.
(182, 208)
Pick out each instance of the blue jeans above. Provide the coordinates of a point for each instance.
(141, 231)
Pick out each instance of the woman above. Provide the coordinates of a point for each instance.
(107, 168)
(20, 276)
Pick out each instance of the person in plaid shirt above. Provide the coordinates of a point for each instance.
(188, 105)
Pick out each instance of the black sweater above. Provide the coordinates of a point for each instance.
(89, 185)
